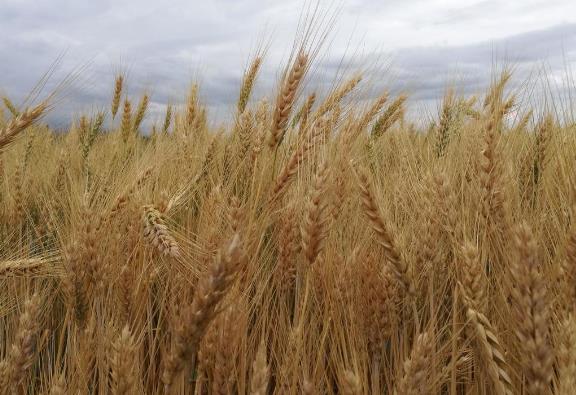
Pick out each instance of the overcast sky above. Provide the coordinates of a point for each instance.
(423, 45)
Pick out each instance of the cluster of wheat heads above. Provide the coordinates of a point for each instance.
(316, 244)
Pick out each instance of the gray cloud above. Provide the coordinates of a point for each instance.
(164, 47)
(427, 71)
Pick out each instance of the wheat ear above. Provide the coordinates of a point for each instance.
(118, 85)
(491, 352)
(248, 84)
(123, 363)
(16, 125)
(260, 372)
(22, 353)
(416, 367)
(315, 218)
(286, 98)
(400, 268)
(157, 233)
(532, 306)
(194, 319)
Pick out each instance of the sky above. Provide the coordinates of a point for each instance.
(418, 46)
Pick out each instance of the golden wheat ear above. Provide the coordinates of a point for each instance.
(21, 122)
(157, 233)
(10, 106)
(286, 98)
(313, 231)
(416, 373)
(260, 372)
(531, 303)
(117, 95)
(14, 368)
(491, 352)
(140, 112)
(196, 317)
(124, 363)
(400, 268)
(248, 84)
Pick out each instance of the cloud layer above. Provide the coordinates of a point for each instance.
(425, 44)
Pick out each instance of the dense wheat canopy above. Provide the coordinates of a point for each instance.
(312, 242)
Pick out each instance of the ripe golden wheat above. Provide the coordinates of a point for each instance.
(321, 245)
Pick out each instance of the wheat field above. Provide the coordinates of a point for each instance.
(314, 244)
